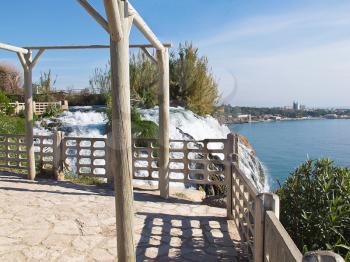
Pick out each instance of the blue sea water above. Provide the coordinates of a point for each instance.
(283, 145)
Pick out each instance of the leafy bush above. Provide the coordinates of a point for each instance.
(5, 107)
(139, 128)
(142, 128)
(52, 110)
(315, 206)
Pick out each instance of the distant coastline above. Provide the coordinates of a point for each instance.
(227, 114)
(279, 120)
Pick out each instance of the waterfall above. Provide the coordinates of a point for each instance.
(184, 125)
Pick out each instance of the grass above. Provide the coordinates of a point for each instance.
(84, 180)
(11, 124)
(181, 195)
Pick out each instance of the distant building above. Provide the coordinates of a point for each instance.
(296, 106)
(245, 118)
(331, 116)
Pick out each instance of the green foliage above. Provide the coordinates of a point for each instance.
(315, 206)
(139, 128)
(143, 81)
(142, 128)
(11, 124)
(192, 83)
(45, 87)
(52, 110)
(84, 180)
(100, 82)
(5, 107)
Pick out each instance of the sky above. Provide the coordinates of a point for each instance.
(262, 53)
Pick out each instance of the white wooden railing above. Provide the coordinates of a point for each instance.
(255, 214)
(39, 108)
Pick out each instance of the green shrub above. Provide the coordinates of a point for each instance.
(139, 127)
(315, 206)
(5, 107)
(52, 110)
(192, 84)
(142, 128)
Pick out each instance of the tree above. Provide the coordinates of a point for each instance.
(192, 83)
(143, 80)
(10, 79)
(100, 82)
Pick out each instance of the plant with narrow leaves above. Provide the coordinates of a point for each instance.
(315, 206)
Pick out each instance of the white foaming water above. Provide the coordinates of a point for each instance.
(184, 125)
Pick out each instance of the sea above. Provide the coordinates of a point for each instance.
(283, 145)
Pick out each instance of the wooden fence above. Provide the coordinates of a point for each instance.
(39, 108)
(205, 162)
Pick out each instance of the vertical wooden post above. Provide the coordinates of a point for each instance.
(228, 172)
(28, 93)
(163, 63)
(236, 150)
(121, 132)
(109, 154)
(57, 155)
(263, 202)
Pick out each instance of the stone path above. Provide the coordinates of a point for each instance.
(61, 221)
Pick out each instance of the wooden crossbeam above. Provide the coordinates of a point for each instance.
(144, 28)
(57, 47)
(13, 48)
(96, 15)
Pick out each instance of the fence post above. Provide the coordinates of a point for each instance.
(228, 173)
(322, 256)
(263, 202)
(236, 151)
(58, 141)
(16, 108)
(34, 107)
(109, 143)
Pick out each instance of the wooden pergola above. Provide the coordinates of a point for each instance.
(120, 16)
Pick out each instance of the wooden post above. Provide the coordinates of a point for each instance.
(263, 202)
(16, 108)
(28, 94)
(228, 173)
(163, 63)
(236, 150)
(121, 165)
(109, 153)
(57, 155)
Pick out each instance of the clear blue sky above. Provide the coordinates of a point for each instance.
(278, 51)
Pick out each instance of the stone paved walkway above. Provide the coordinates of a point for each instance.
(61, 221)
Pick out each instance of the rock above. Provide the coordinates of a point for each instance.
(215, 201)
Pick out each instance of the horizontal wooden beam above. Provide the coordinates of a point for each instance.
(57, 47)
(13, 48)
(144, 28)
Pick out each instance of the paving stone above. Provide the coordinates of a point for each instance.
(77, 223)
